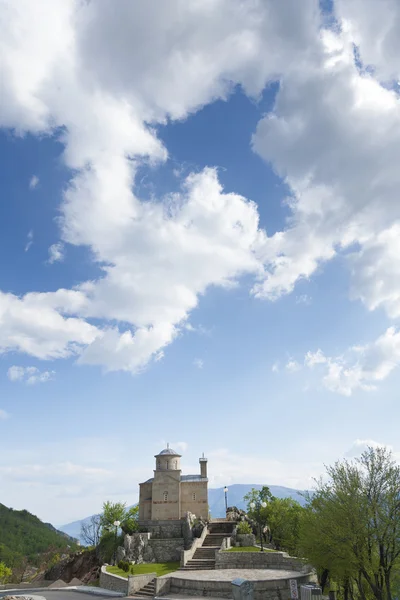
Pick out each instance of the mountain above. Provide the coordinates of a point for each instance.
(236, 492)
(216, 500)
(24, 537)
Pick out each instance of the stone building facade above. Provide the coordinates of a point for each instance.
(169, 495)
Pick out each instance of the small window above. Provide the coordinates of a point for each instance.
(158, 464)
(194, 496)
(165, 496)
(167, 464)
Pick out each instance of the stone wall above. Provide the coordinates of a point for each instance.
(197, 542)
(166, 550)
(137, 582)
(257, 560)
(163, 529)
(113, 582)
(141, 547)
(245, 539)
(194, 498)
(272, 590)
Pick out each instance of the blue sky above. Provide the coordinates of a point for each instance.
(197, 247)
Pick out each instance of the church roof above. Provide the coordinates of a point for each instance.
(183, 478)
(168, 451)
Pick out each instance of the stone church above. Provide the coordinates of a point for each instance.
(169, 495)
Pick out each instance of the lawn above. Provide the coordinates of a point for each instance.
(158, 568)
(248, 549)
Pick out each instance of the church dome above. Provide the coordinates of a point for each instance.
(168, 452)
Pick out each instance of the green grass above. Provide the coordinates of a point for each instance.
(158, 568)
(248, 549)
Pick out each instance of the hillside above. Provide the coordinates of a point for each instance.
(23, 537)
(216, 500)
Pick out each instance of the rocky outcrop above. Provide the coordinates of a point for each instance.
(82, 565)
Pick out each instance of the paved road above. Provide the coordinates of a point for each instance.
(54, 594)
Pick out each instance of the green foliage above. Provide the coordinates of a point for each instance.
(351, 526)
(124, 565)
(117, 511)
(107, 546)
(244, 527)
(258, 514)
(144, 568)
(112, 511)
(284, 517)
(129, 522)
(5, 573)
(24, 537)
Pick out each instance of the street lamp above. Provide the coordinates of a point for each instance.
(116, 525)
(226, 499)
(257, 506)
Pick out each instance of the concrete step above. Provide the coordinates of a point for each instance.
(148, 591)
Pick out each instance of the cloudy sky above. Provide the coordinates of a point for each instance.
(199, 241)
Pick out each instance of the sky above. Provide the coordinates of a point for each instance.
(199, 242)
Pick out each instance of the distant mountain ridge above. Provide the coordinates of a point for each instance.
(216, 501)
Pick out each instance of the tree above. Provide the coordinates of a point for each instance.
(351, 527)
(91, 530)
(5, 573)
(117, 511)
(283, 517)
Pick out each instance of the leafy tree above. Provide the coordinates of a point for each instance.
(129, 523)
(284, 517)
(5, 573)
(351, 526)
(91, 531)
(117, 511)
(112, 511)
(259, 514)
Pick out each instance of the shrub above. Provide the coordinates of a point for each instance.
(124, 565)
(244, 527)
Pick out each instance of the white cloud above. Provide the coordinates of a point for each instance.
(333, 136)
(29, 240)
(56, 253)
(292, 366)
(159, 257)
(199, 363)
(303, 299)
(344, 183)
(361, 367)
(30, 375)
(3, 415)
(275, 367)
(33, 182)
(359, 446)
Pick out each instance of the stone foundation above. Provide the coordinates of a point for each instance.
(257, 560)
(143, 548)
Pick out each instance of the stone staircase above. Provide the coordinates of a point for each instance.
(204, 557)
(148, 591)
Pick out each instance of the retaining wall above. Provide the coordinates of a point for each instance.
(114, 583)
(197, 542)
(127, 586)
(168, 550)
(257, 560)
(276, 590)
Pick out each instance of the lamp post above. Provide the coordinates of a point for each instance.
(116, 525)
(226, 499)
(257, 506)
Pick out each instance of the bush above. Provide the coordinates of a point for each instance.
(244, 527)
(124, 565)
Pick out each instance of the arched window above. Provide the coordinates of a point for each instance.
(194, 496)
(158, 463)
(176, 464)
(165, 496)
(167, 464)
